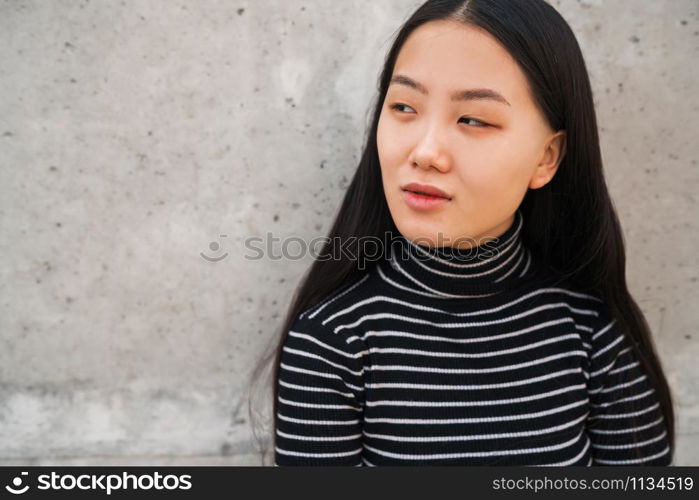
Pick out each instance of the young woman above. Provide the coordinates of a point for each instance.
(494, 325)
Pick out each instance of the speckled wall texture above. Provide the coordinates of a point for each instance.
(142, 141)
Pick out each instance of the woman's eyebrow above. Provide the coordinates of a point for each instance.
(459, 95)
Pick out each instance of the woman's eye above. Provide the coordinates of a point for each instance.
(397, 106)
(477, 123)
(480, 123)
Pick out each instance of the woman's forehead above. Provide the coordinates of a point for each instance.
(447, 56)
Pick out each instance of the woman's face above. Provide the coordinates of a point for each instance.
(483, 150)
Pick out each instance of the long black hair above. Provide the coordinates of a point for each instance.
(574, 227)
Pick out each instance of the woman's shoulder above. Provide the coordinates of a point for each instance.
(587, 305)
(342, 298)
(314, 331)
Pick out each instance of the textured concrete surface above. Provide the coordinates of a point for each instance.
(135, 136)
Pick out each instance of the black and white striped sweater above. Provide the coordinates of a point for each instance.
(431, 360)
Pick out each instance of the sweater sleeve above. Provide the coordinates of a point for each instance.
(320, 398)
(625, 424)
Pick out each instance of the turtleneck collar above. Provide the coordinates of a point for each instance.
(446, 272)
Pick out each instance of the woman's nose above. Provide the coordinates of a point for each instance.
(430, 151)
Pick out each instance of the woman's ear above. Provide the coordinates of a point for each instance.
(554, 152)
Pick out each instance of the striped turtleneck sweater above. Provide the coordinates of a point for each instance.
(441, 356)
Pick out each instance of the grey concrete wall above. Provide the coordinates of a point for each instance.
(134, 134)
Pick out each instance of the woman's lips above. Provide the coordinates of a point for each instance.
(425, 189)
(422, 201)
